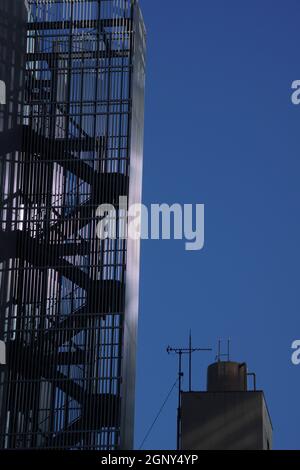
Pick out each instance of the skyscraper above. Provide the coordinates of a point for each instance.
(71, 138)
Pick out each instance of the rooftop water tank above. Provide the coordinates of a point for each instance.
(227, 377)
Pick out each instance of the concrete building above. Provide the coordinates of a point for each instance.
(227, 416)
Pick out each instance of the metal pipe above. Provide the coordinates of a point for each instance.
(190, 361)
(180, 375)
(252, 374)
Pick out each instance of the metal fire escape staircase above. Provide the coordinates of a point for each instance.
(42, 251)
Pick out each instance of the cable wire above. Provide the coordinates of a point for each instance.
(158, 414)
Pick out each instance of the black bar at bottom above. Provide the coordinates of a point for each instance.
(134, 459)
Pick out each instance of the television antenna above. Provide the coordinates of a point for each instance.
(180, 352)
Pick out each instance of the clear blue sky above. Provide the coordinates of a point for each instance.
(221, 130)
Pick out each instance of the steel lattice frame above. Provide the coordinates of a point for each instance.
(64, 292)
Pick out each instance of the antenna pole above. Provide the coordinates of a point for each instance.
(190, 361)
(180, 352)
(180, 375)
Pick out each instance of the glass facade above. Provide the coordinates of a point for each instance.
(69, 301)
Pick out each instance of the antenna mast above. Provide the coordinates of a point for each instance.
(180, 351)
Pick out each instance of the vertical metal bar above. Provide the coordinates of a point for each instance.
(179, 400)
(190, 361)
